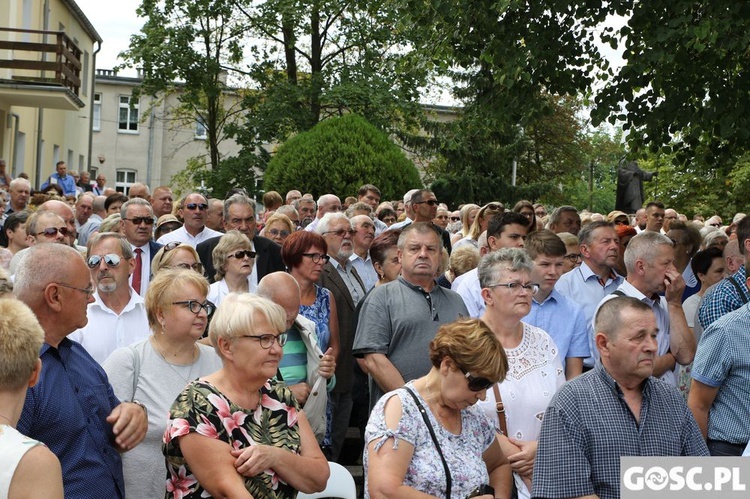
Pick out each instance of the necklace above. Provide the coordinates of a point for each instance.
(435, 408)
(187, 379)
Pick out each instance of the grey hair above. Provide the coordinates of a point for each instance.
(358, 206)
(125, 248)
(40, 265)
(299, 201)
(515, 260)
(134, 202)
(325, 222)
(643, 247)
(556, 215)
(608, 319)
(287, 210)
(586, 234)
(419, 228)
(237, 199)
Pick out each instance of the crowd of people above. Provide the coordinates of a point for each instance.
(195, 348)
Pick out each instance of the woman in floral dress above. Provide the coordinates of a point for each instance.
(238, 433)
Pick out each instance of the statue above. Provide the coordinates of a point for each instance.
(630, 180)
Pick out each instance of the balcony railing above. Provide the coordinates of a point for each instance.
(36, 61)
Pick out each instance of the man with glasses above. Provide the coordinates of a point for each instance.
(508, 230)
(399, 319)
(137, 223)
(346, 286)
(66, 213)
(117, 317)
(193, 231)
(327, 203)
(239, 214)
(72, 408)
(595, 278)
(41, 227)
(424, 206)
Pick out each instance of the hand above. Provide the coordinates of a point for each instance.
(327, 364)
(254, 460)
(129, 424)
(674, 286)
(301, 391)
(523, 462)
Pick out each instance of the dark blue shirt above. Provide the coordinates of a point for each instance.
(67, 410)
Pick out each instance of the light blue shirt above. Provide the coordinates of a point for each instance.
(564, 321)
(471, 293)
(365, 270)
(581, 285)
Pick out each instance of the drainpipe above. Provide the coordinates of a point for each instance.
(14, 154)
(149, 158)
(40, 110)
(91, 104)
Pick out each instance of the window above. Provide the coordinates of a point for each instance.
(96, 115)
(128, 118)
(200, 129)
(124, 179)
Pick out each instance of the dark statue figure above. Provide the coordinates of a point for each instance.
(630, 180)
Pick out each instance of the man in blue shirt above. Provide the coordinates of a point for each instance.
(73, 409)
(66, 182)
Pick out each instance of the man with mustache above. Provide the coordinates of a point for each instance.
(117, 317)
(616, 409)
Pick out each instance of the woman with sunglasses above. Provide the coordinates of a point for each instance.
(401, 455)
(156, 370)
(480, 223)
(535, 370)
(277, 228)
(233, 260)
(176, 255)
(238, 432)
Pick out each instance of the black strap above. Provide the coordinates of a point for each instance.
(423, 412)
(739, 289)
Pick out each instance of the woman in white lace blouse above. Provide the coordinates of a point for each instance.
(535, 369)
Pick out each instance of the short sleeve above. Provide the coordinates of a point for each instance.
(579, 342)
(374, 327)
(713, 357)
(407, 428)
(119, 367)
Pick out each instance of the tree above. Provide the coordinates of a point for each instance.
(339, 155)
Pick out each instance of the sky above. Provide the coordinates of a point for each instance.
(115, 22)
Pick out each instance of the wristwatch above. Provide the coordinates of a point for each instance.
(141, 405)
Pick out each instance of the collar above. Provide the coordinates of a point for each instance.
(135, 301)
(338, 266)
(416, 287)
(601, 372)
(553, 296)
(356, 257)
(587, 274)
(630, 290)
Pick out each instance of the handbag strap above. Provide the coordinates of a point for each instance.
(500, 408)
(423, 412)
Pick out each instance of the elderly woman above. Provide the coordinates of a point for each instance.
(239, 433)
(535, 370)
(402, 457)
(480, 223)
(572, 256)
(156, 370)
(467, 214)
(277, 228)
(176, 255)
(233, 260)
(442, 218)
(28, 467)
(384, 256)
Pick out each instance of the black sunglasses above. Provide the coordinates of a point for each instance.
(431, 202)
(141, 220)
(52, 231)
(110, 259)
(240, 254)
(196, 206)
(477, 384)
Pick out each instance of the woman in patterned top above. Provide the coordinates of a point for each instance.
(237, 432)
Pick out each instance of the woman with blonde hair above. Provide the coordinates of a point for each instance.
(466, 215)
(278, 227)
(233, 260)
(156, 370)
(238, 432)
(176, 255)
(480, 223)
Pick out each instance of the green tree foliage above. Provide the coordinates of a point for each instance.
(338, 156)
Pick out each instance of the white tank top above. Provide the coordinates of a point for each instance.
(13, 446)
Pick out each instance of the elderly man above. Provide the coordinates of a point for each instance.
(193, 230)
(215, 215)
(41, 227)
(617, 409)
(84, 181)
(99, 213)
(20, 190)
(61, 178)
(306, 208)
(139, 190)
(399, 319)
(670, 216)
(239, 214)
(137, 224)
(564, 219)
(595, 278)
(649, 261)
(117, 317)
(72, 408)
(292, 196)
(503, 231)
(364, 233)
(84, 208)
(343, 281)
(408, 209)
(161, 201)
(327, 203)
(99, 188)
(720, 393)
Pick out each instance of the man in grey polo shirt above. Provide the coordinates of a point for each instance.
(399, 319)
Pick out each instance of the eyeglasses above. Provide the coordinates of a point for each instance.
(516, 287)
(240, 254)
(317, 257)
(431, 202)
(340, 232)
(195, 306)
(573, 257)
(196, 266)
(476, 384)
(196, 206)
(277, 232)
(141, 220)
(266, 340)
(494, 207)
(52, 231)
(110, 259)
(167, 248)
(455, 219)
(87, 291)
